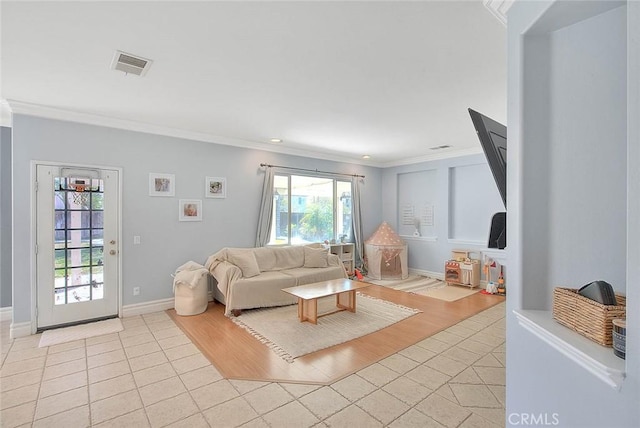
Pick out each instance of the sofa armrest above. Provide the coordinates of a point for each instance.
(225, 273)
(334, 260)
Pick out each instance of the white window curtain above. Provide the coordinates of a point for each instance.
(357, 221)
(266, 209)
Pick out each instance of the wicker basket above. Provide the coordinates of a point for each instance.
(585, 316)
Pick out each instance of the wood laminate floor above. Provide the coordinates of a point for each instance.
(238, 355)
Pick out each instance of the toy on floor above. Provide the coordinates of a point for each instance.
(491, 287)
(501, 287)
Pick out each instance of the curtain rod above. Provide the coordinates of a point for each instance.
(310, 170)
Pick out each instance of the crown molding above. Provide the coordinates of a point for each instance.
(47, 112)
(5, 114)
(29, 109)
(499, 9)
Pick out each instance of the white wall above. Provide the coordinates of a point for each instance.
(571, 197)
(165, 242)
(5, 217)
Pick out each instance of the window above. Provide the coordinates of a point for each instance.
(310, 209)
(79, 240)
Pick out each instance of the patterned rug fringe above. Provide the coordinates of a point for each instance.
(273, 346)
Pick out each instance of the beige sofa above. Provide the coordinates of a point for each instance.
(254, 277)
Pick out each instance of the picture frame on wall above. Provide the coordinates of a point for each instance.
(215, 187)
(190, 210)
(162, 184)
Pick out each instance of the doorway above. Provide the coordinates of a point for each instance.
(77, 245)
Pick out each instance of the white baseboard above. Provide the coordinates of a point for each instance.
(152, 306)
(148, 307)
(20, 329)
(6, 313)
(436, 275)
(24, 328)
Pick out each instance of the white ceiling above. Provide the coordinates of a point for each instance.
(335, 80)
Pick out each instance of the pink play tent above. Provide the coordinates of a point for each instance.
(386, 254)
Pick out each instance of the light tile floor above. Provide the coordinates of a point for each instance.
(151, 375)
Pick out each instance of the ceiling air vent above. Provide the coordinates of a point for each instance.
(446, 146)
(130, 64)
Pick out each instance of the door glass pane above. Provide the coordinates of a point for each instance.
(60, 294)
(97, 200)
(78, 219)
(60, 277)
(77, 200)
(78, 294)
(60, 241)
(79, 222)
(97, 219)
(97, 275)
(77, 276)
(60, 220)
(59, 200)
(97, 237)
(79, 257)
(96, 256)
(77, 238)
(61, 261)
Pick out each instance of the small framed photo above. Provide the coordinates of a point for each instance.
(162, 184)
(215, 187)
(190, 210)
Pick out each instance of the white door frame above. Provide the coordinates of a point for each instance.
(32, 238)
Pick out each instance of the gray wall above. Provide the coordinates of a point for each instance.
(464, 195)
(165, 242)
(573, 200)
(5, 217)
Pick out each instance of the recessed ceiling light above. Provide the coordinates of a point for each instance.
(366, 157)
(275, 140)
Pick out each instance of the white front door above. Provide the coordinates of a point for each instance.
(77, 248)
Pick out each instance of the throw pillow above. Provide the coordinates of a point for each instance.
(246, 261)
(316, 257)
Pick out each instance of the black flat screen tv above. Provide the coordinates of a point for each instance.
(493, 138)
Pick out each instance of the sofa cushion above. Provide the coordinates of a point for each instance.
(289, 257)
(245, 259)
(309, 275)
(266, 258)
(316, 257)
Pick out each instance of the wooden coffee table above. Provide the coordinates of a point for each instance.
(308, 295)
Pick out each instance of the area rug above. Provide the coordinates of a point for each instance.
(449, 293)
(426, 286)
(280, 329)
(410, 284)
(77, 332)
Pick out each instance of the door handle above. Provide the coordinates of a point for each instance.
(112, 252)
